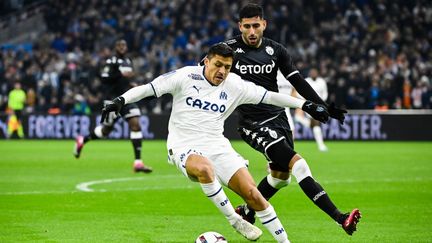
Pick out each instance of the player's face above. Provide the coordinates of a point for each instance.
(313, 73)
(121, 47)
(217, 68)
(252, 30)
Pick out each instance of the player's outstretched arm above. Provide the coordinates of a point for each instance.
(130, 96)
(305, 90)
(282, 100)
(317, 111)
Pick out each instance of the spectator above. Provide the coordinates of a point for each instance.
(354, 41)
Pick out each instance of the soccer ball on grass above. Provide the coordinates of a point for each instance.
(211, 237)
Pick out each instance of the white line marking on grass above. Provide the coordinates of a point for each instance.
(85, 186)
(147, 188)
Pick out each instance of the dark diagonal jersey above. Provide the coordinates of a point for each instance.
(260, 66)
(114, 83)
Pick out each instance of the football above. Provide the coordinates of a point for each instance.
(210, 237)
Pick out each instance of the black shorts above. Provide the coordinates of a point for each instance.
(260, 135)
(127, 111)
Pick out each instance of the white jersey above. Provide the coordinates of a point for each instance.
(200, 108)
(285, 87)
(320, 87)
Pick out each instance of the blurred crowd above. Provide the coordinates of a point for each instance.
(374, 54)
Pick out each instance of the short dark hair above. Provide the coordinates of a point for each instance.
(118, 40)
(221, 49)
(251, 10)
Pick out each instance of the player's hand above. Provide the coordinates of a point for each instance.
(337, 113)
(318, 112)
(115, 105)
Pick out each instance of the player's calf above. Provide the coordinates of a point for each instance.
(79, 144)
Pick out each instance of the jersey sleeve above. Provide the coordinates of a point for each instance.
(166, 83)
(286, 63)
(250, 92)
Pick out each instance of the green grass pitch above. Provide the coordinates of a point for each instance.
(40, 201)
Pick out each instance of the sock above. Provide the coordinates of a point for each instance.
(95, 134)
(216, 194)
(270, 220)
(318, 136)
(136, 138)
(266, 189)
(313, 189)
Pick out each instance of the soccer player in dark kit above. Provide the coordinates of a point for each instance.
(265, 127)
(116, 75)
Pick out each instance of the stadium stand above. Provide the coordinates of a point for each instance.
(374, 54)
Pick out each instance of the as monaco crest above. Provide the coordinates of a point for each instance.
(269, 50)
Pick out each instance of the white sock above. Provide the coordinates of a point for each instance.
(270, 220)
(98, 132)
(216, 194)
(318, 136)
(135, 135)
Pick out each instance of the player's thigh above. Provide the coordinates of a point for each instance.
(130, 110)
(265, 136)
(179, 157)
(226, 162)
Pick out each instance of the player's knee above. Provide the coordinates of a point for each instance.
(134, 124)
(278, 183)
(301, 170)
(102, 131)
(280, 154)
(135, 127)
(205, 171)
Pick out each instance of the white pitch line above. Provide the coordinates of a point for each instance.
(85, 186)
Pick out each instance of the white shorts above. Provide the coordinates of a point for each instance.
(225, 160)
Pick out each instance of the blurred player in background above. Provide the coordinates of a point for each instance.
(285, 87)
(116, 76)
(265, 127)
(202, 100)
(16, 103)
(320, 87)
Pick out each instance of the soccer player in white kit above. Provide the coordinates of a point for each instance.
(203, 97)
(320, 87)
